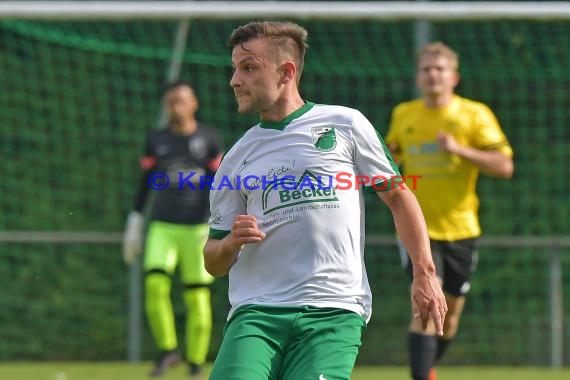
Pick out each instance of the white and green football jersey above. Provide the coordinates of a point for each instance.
(298, 177)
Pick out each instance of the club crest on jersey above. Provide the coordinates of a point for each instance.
(197, 147)
(324, 138)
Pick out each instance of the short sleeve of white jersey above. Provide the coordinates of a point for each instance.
(372, 157)
(226, 201)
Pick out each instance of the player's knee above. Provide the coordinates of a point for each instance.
(416, 327)
(157, 285)
(197, 301)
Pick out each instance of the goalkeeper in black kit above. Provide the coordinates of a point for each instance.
(183, 151)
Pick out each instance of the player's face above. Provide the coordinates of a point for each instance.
(256, 79)
(180, 103)
(437, 75)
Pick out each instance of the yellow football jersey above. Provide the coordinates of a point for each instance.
(447, 187)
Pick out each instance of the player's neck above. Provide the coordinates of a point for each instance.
(282, 108)
(184, 127)
(437, 101)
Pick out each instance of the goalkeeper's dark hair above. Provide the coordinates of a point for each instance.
(175, 84)
(289, 40)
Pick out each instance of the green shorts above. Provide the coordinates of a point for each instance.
(169, 245)
(289, 343)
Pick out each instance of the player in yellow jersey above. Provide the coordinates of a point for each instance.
(447, 140)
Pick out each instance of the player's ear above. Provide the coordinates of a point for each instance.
(196, 104)
(457, 79)
(288, 70)
(194, 100)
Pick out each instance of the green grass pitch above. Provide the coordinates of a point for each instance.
(126, 371)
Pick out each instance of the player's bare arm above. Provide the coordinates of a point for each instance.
(491, 162)
(395, 150)
(220, 255)
(427, 296)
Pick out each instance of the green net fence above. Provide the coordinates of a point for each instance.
(76, 101)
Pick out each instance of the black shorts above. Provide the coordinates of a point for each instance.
(454, 263)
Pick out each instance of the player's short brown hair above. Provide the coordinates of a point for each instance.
(288, 38)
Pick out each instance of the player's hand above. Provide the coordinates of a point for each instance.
(447, 143)
(244, 231)
(428, 301)
(133, 237)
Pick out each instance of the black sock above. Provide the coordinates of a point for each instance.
(442, 345)
(422, 349)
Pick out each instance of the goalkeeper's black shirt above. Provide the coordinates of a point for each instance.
(178, 156)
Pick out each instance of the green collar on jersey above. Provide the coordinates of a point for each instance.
(289, 118)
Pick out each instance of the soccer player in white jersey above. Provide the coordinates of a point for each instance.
(287, 222)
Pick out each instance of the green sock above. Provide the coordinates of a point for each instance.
(159, 312)
(198, 323)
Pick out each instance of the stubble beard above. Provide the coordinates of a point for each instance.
(246, 108)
